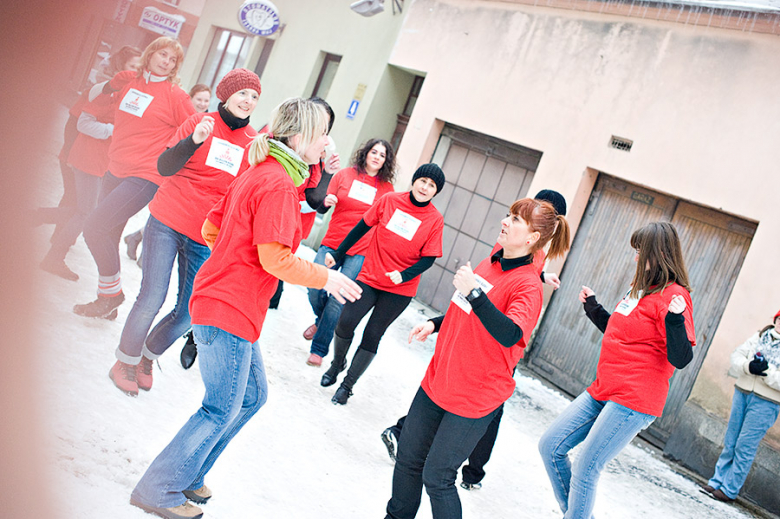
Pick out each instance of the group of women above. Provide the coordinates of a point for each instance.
(227, 202)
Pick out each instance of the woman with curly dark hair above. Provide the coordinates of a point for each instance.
(351, 192)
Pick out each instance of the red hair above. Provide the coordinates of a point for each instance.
(541, 217)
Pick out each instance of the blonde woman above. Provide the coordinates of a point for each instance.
(150, 106)
(251, 233)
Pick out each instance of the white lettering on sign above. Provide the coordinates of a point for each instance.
(162, 23)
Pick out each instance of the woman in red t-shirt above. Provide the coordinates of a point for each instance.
(649, 334)
(87, 161)
(252, 232)
(481, 339)
(150, 106)
(406, 242)
(351, 193)
(205, 156)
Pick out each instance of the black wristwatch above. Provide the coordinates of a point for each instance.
(475, 293)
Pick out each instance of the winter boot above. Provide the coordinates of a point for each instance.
(189, 352)
(199, 496)
(101, 307)
(391, 442)
(143, 374)
(123, 376)
(360, 363)
(133, 241)
(184, 511)
(58, 268)
(339, 362)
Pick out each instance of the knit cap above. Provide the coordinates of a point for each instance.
(776, 316)
(235, 80)
(432, 171)
(555, 198)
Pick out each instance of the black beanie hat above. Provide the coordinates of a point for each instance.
(432, 171)
(555, 198)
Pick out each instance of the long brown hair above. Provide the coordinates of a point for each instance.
(551, 226)
(659, 248)
(163, 42)
(387, 171)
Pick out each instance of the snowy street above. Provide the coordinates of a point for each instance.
(300, 456)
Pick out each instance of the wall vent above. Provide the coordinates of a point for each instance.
(619, 143)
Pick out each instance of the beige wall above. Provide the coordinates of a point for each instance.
(700, 105)
(310, 26)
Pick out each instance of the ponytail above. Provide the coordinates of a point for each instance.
(560, 241)
(258, 150)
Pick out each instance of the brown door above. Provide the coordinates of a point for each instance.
(566, 347)
(484, 177)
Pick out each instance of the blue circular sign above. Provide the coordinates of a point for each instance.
(259, 17)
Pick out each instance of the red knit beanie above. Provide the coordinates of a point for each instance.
(235, 80)
(776, 316)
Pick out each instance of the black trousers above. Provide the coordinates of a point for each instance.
(474, 471)
(387, 307)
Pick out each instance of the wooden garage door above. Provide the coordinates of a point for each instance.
(566, 347)
(484, 177)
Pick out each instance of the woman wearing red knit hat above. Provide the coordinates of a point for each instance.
(150, 107)
(203, 158)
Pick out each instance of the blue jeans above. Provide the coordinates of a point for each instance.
(236, 388)
(432, 447)
(751, 417)
(87, 189)
(161, 246)
(604, 428)
(326, 309)
(119, 199)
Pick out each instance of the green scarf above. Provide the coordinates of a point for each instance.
(290, 161)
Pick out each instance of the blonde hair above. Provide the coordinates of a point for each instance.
(163, 42)
(294, 116)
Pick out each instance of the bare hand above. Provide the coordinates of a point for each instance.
(421, 331)
(329, 261)
(203, 129)
(677, 305)
(585, 293)
(333, 165)
(341, 287)
(552, 279)
(464, 279)
(395, 277)
(330, 200)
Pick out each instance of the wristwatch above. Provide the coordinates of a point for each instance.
(475, 293)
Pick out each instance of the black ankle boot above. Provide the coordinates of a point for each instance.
(360, 363)
(339, 362)
(189, 352)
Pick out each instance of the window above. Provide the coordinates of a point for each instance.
(228, 50)
(262, 61)
(414, 93)
(330, 64)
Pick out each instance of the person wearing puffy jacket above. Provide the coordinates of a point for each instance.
(754, 409)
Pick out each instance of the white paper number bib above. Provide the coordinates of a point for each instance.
(225, 156)
(362, 192)
(460, 300)
(135, 102)
(404, 225)
(627, 305)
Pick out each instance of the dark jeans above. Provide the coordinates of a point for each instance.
(434, 444)
(87, 189)
(387, 307)
(119, 200)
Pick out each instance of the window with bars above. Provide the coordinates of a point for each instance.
(228, 50)
(621, 144)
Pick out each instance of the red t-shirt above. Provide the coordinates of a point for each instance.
(356, 193)
(183, 201)
(89, 154)
(470, 373)
(147, 116)
(403, 234)
(231, 290)
(633, 370)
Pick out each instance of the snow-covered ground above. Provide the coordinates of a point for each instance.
(300, 456)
